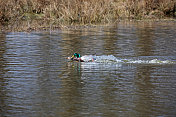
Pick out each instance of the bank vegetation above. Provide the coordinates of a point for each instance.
(44, 14)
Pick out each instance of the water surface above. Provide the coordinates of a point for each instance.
(37, 80)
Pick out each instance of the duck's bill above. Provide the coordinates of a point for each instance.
(70, 57)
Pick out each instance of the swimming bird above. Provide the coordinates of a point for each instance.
(79, 58)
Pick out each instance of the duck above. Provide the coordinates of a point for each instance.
(79, 58)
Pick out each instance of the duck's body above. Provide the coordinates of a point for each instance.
(76, 59)
(86, 58)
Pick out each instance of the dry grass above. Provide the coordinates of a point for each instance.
(66, 12)
(151, 8)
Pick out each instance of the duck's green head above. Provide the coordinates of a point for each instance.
(76, 55)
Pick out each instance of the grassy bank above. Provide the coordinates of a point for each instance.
(34, 14)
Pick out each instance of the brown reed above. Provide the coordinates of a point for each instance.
(66, 12)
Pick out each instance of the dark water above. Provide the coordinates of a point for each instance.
(36, 80)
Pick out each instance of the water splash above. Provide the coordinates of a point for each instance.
(140, 60)
(153, 61)
(106, 58)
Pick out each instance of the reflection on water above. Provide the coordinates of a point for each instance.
(37, 80)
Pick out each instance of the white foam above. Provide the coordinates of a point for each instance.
(113, 59)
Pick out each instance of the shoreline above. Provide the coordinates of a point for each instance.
(24, 15)
(26, 26)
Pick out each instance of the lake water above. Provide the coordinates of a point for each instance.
(36, 79)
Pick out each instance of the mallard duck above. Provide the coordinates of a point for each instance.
(77, 57)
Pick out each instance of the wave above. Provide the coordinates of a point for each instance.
(138, 60)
